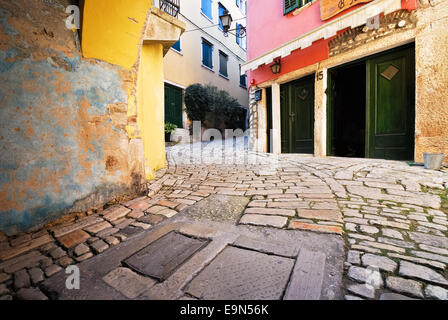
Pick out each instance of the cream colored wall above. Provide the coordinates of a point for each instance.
(186, 68)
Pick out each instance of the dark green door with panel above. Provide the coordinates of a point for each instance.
(391, 105)
(387, 96)
(173, 105)
(297, 116)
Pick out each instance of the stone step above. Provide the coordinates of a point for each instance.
(307, 277)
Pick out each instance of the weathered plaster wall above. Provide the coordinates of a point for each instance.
(63, 140)
(431, 50)
(135, 35)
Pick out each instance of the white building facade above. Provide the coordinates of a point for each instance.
(205, 54)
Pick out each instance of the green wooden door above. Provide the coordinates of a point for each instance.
(391, 106)
(269, 118)
(173, 105)
(297, 116)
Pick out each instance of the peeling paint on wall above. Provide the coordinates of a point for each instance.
(63, 140)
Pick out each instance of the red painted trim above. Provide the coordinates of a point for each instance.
(300, 58)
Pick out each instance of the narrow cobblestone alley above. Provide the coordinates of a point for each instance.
(370, 229)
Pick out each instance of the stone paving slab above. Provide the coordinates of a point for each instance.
(218, 207)
(159, 259)
(239, 274)
(103, 277)
(128, 282)
(307, 277)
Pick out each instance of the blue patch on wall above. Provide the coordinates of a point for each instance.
(40, 129)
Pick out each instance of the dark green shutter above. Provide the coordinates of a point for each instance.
(173, 105)
(289, 5)
(207, 54)
(223, 64)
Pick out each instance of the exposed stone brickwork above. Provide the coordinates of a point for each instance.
(352, 38)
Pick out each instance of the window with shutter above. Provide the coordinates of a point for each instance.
(238, 40)
(206, 7)
(207, 54)
(221, 10)
(242, 80)
(223, 64)
(289, 5)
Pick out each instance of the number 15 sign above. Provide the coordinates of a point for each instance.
(330, 8)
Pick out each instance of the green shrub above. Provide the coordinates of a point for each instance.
(213, 107)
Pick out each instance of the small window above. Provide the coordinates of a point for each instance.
(238, 39)
(242, 4)
(207, 54)
(289, 5)
(206, 8)
(243, 80)
(241, 41)
(223, 59)
(221, 10)
(304, 2)
(176, 46)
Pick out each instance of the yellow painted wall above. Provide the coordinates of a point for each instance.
(112, 30)
(151, 99)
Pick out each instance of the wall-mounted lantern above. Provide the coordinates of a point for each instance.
(276, 66)
(226, 22)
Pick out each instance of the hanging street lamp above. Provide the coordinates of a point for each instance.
(226, 22)
(276, 66)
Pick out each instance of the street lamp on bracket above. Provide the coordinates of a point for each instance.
(226, 22)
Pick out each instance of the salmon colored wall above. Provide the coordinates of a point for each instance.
(269, 29)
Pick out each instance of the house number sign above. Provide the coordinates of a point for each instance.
(330, 8)
(257, 95)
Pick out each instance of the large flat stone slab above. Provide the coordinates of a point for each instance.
(242, 274)
(265, 221)
(308, 275)
(162, 257)
(218, 207)
(128, 282)
(328, 215)
(269, 247)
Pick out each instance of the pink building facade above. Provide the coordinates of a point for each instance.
(354, 77)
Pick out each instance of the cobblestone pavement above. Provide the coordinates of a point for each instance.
(392, 217)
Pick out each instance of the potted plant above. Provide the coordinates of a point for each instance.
(169, 128)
